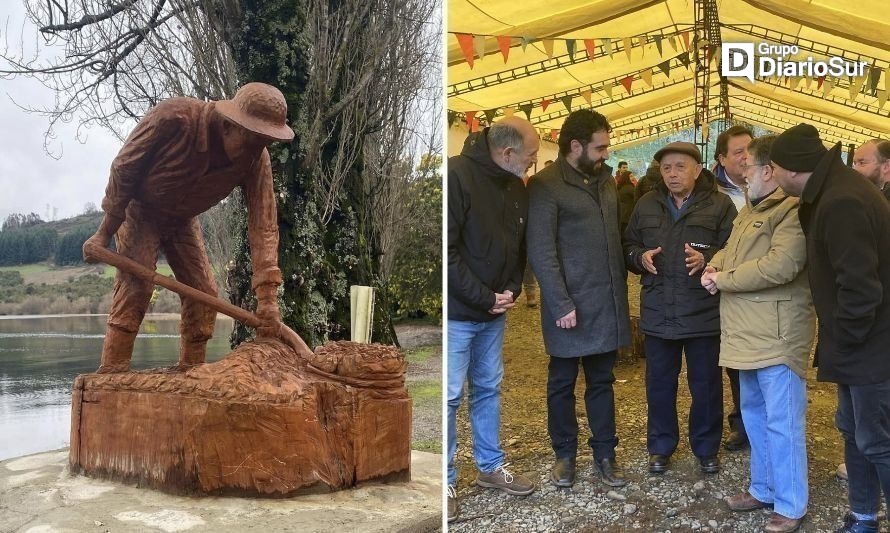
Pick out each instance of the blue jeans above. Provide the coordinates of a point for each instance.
(863, 418)
(774, 406)
(475, 356)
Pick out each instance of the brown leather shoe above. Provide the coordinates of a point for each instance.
(611, 473)
(563, 472)
(452, 503)
(782, 524)
(503, 479)
(743, 501)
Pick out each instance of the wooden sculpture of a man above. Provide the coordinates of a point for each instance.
(182, 158)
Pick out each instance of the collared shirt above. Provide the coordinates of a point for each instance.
(727, 187)
(672, 207)
(166, 166)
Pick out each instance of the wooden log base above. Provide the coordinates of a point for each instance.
(260, 422)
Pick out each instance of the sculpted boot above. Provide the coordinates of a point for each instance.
(117, 350)
(191, 354)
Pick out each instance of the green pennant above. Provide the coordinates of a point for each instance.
(657, 39)
(665, 67)
(874, 77)
(490, 114)
(567, 101)
(570, 48)
(527, 109)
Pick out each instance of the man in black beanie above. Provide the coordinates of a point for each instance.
(847, 226)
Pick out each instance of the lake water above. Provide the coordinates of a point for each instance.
(40, 357)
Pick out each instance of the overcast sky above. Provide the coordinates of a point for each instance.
(29, 178)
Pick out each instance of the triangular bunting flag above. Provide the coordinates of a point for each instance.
(856, 86)
(607, 44)
(628, 45)
(469, 118)
(475, 126)
(509, 112)
(873, 78)
(646, 76)
(567, 101)
(809, 80)
(527, 109)
(590, 46)
(504, 42)
(548, 47)
(570, 48)
(608, 88)
(684, 58)
(673, 42)
(627, 82)
(665, 67)
(544, 103)
(821, 79)
(466, 46)
(827, 87)
(657, 39)
(489, 115)
(882, 98)
(585, 94)
(479, 45)
(526, 41)
(685, 35)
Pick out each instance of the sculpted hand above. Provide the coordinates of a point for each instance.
(96, 242)
(695, 261)
(648, 260)
(567, 322)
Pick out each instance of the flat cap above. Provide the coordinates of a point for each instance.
(679, 147)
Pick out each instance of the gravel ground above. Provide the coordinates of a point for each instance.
(683, 499)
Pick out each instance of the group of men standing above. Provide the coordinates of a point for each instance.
(735, 266)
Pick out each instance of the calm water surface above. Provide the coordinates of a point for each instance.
(40, 357)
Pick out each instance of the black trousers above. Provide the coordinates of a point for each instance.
(599, 402)
(663, 363)
(735, 417)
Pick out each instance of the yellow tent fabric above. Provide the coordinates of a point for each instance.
(548, 66)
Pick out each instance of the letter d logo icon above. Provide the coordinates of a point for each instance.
(737, 60)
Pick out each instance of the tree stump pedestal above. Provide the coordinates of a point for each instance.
(259, 422)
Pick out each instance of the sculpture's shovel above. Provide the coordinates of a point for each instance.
(278, 329)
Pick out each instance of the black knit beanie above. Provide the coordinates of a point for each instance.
(798, 149)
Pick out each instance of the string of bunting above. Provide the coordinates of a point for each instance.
(474, 46)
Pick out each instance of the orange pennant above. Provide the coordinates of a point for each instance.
(586, 95)
(591, 48)
(544, 103)
(470, 118)
(504, 42)
(466, 46)
(475, 126)
(685, 35)
(627, 81)
(509, 111)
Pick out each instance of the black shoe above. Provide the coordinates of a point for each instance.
(736, 442)
(611, 472)
(658, 464)
(852, 525)
(563, 472)
(709, 465)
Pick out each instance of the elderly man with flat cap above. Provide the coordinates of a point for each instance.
(846, 222)
(675, 229)
(182, 158)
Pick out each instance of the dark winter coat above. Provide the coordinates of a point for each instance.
(625, 201)
(673, 304)
(487, 211)
(575, 252)
(847, 225)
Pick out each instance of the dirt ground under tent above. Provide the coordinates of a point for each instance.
(681, 500)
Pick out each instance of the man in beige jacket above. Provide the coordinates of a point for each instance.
(767, 329)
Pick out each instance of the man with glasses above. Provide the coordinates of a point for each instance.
(674, 230)
(767, 328)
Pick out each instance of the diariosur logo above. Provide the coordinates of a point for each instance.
(740, 61)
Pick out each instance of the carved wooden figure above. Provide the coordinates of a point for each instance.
(271, 418)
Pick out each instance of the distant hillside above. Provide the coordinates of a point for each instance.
(85, 222)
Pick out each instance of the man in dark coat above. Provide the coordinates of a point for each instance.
(847, 226)
(674, 230)
(487, 211)
(575, 251)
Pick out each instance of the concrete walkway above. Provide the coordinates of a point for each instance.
(37, 495)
